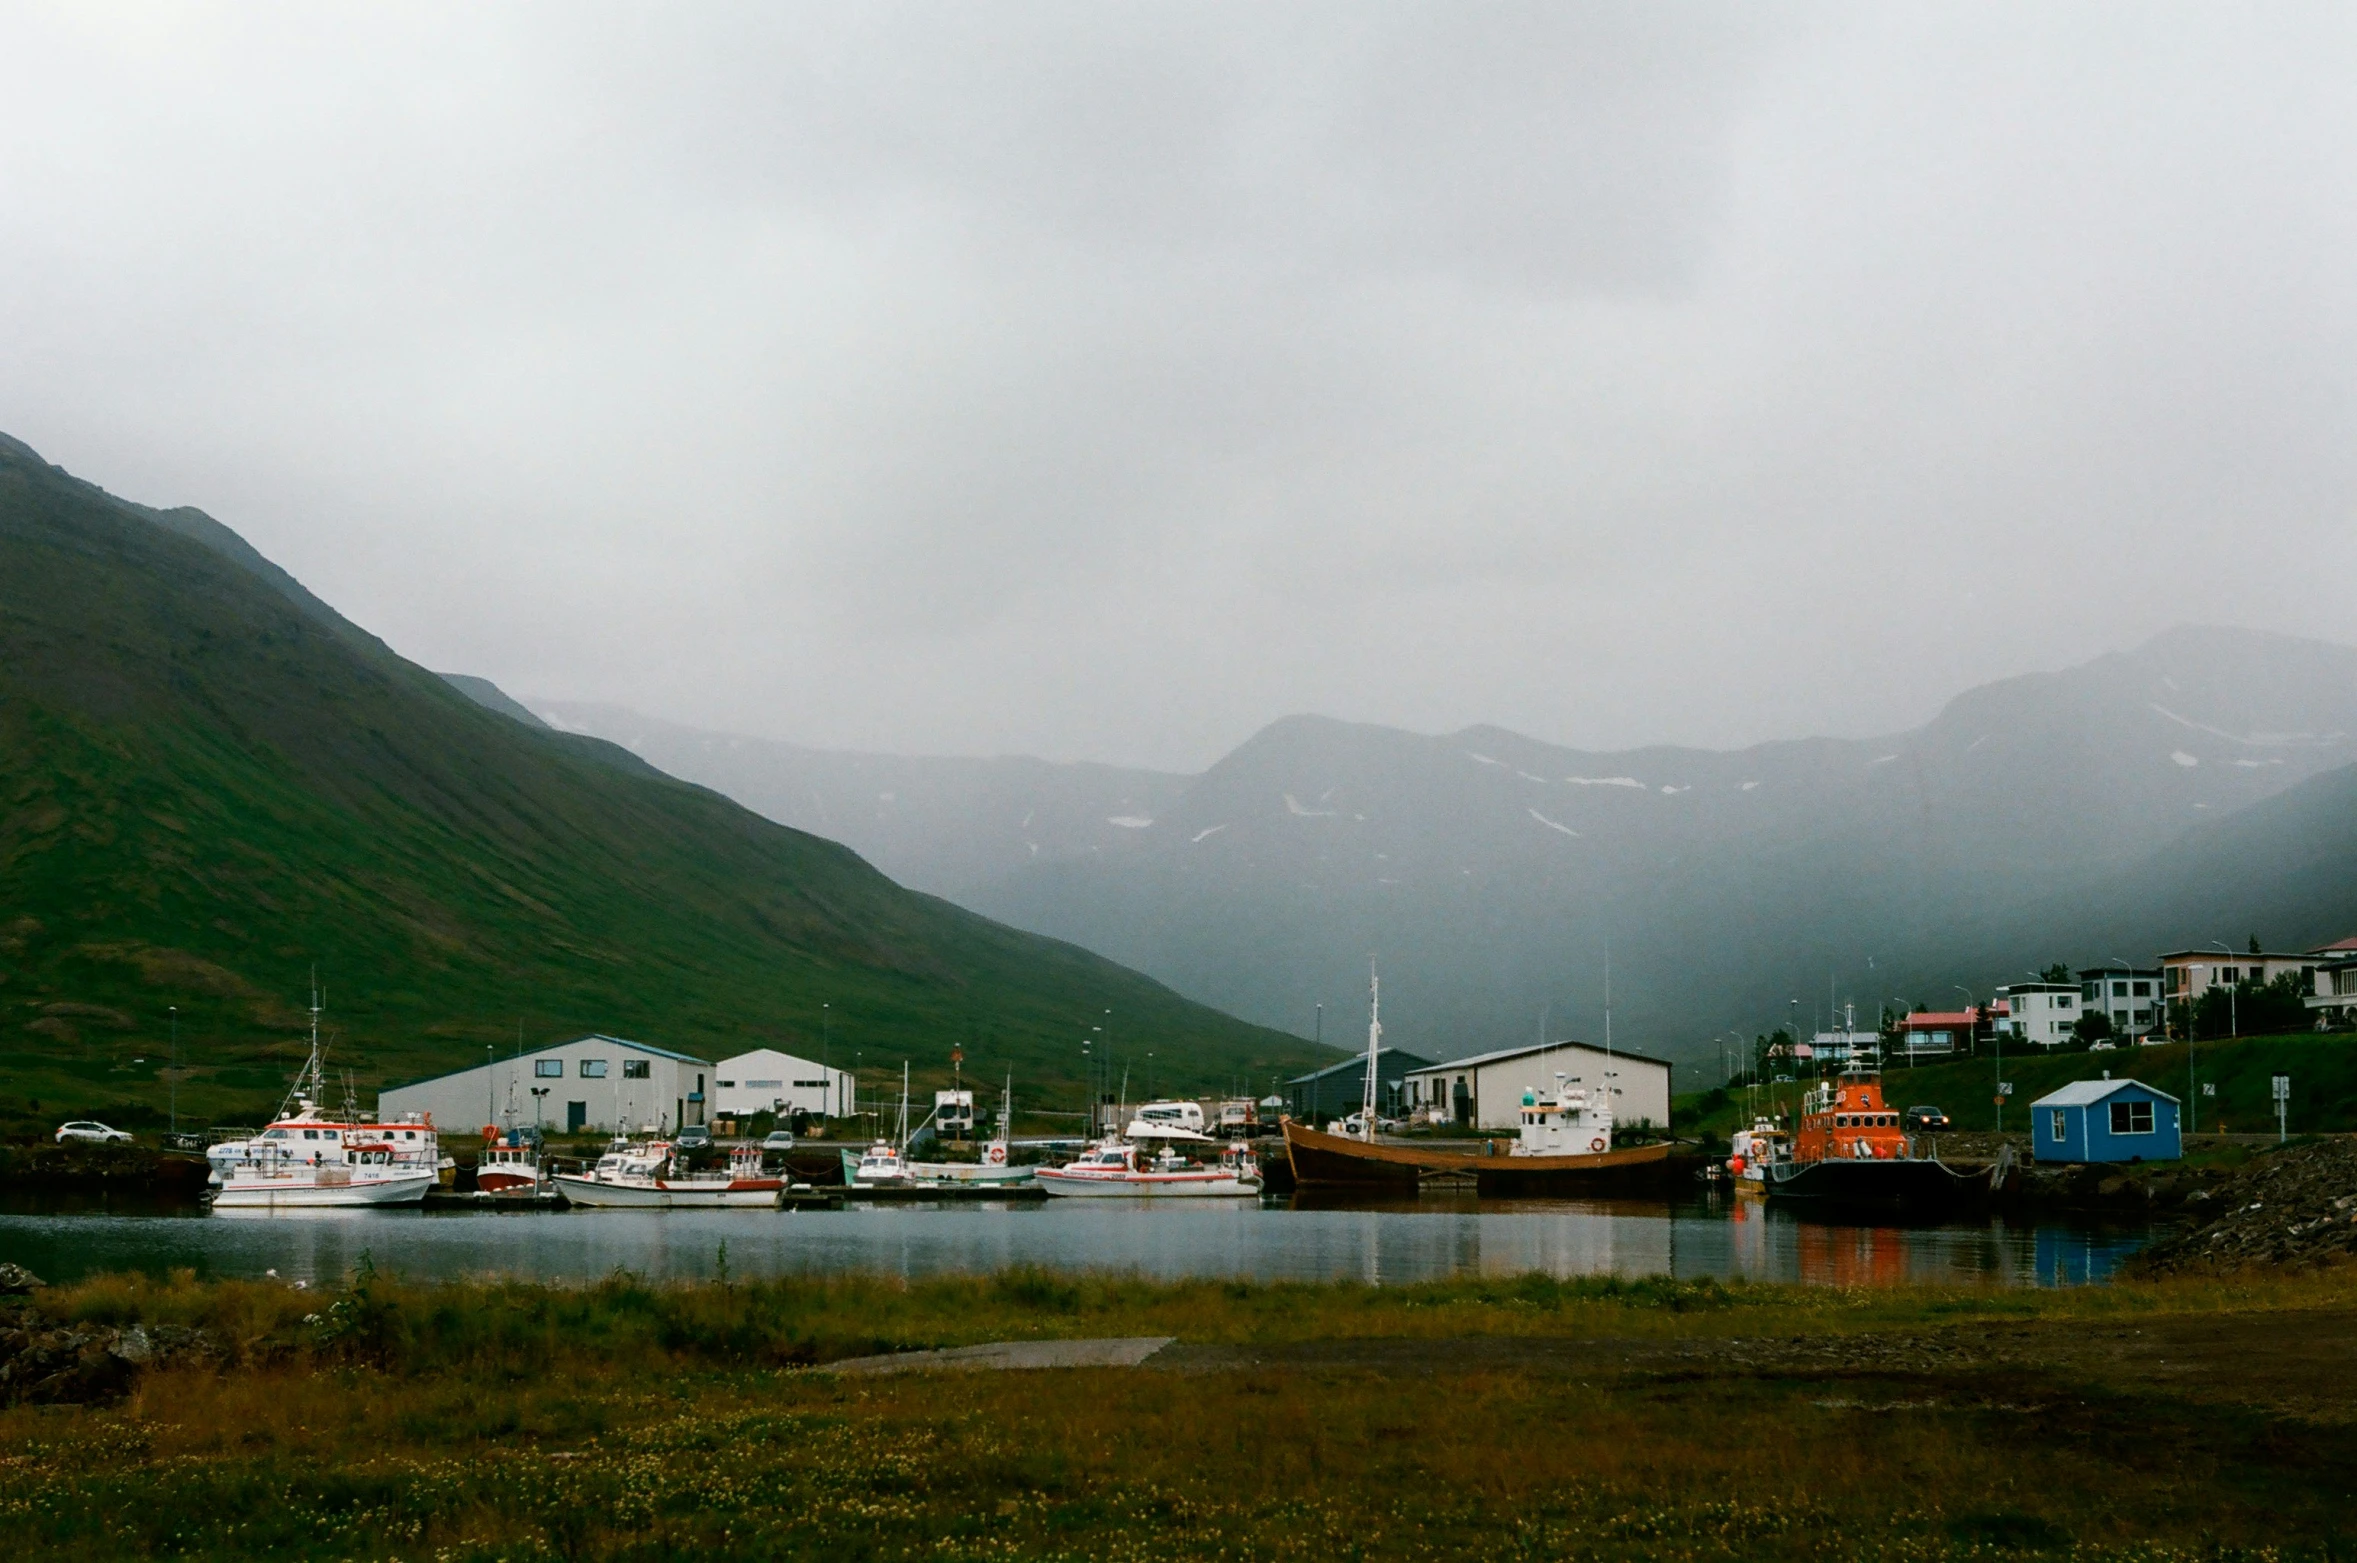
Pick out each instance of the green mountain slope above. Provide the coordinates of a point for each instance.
(210, 783)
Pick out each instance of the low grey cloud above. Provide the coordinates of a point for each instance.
(1106, 381)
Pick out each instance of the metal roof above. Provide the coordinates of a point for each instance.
(643, 1047)
(594, 1036)
(1356, 1063)
(1503, 1054)
(2086, 1093)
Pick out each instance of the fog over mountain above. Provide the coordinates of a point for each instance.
(1106, 381)
(2059, 816)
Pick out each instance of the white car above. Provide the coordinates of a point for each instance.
(91, 1133)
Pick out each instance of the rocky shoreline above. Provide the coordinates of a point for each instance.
(2292, 1209)
(44, 1362)
(169, 1177)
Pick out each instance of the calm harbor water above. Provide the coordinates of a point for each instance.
(1377, 1245)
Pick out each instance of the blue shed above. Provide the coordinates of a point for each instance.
(2105, 1120)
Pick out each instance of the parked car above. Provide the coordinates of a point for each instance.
(779, 1140)
(91, 1133)
(1927, 1120)
(694, 1137)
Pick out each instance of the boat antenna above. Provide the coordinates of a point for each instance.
(903, 1128)
(1374, 1041)
(309, 1074)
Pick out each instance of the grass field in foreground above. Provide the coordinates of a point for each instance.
(1689, 1420)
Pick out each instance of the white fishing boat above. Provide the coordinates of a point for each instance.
(879, 1163)
(1567, 1121)
(306, 1159)
(884, 1161)
(1750, 1152)
(1151, 1167)
(995, 1165)
(643, 1175)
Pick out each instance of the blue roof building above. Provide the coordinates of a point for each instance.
(2105, 1121)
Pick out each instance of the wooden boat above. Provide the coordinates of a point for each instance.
(1331, 1160)
(1852, 1157)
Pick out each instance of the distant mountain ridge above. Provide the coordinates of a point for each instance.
(1493, 872)
(211, 785)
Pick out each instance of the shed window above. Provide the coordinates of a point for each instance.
(549, 1068)
(2060, 1126)
(2131, 1117)
(635, 1069)
(593, 1069)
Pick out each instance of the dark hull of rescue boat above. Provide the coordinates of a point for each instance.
(1900, 1187)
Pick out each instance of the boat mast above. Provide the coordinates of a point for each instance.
(311, 1073)
(1374, 1038)
(903, 1132)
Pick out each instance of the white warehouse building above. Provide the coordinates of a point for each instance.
(1485, 1091)
(768, 1081)
(596, 1084)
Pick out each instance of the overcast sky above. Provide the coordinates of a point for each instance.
(1107, 380)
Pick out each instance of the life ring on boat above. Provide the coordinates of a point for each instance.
(996, 1155)
(1596, 1145)
(490, 1133)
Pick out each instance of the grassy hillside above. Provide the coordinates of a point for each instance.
(210, 784)
(2323, 1071)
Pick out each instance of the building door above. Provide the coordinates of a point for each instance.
(576, 1117)
(1464, 1103)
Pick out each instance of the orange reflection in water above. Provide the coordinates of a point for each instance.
(1851, 1256)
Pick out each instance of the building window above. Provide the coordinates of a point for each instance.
(548, 1068)
(636, 1068)
(810, 1085)
(2060, 1127)
(760, 1085)
(2066, 1001)
(2131, 1117)
(2144, 990)
(593, 1069)
(729, 1085)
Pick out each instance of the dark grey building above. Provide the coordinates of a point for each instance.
(1337, 1090)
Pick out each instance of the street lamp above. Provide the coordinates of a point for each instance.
(1997, 1044)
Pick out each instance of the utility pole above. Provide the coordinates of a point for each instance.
(175, 1071)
